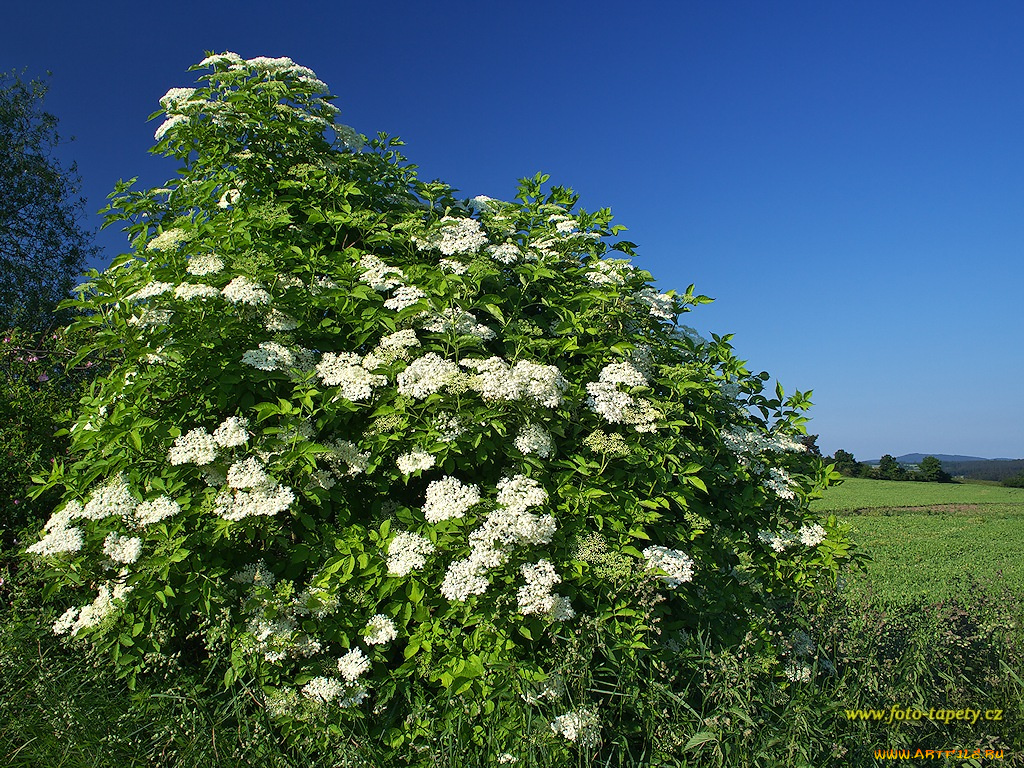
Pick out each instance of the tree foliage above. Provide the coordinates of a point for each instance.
(361, 437)
(42, 243)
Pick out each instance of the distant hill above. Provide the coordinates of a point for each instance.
(973, 467)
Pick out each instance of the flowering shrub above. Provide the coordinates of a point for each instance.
(367, 435)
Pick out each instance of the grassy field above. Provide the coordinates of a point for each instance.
(924, 537)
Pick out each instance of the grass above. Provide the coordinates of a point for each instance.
(858, 493)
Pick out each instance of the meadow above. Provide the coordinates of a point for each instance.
(933, 622)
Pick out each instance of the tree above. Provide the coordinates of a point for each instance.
(42, 243)
(846, 464)
(930, 470)
(360, 437)
(890, 469)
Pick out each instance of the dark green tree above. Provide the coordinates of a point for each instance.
(890, 469)
(846, 464)
(43, 245)
(930, 470)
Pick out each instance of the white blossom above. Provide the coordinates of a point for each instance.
(581, 726)
(415, 461)
(533, 438)
(353, 664)
(677, 566)
(448, 498)
(111, 498)
(404, 297)
(812, 535)
(408, 552)
(379, 275)
(122, 549)
(379, 630)
(149, 512)
(232, 432)
(426, 375)
(458, 322)
(191, 291)
(152, 288)
(197, 446)
(345, 371)
(242, 290)
(204, 264)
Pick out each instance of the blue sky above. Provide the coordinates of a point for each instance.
(845, 179)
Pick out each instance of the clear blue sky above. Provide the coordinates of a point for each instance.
(846, 179)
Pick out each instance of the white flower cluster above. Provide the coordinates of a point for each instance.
(426, 375)
(455, 235)
(581, 726)
(610, 272)
(458, 322)
(808, 535)
(496, 380)
(247, 473)
(242, 290)
(448, 426)
(660, 305)
(75, 619)
(255, 573)
(379, 630)
(506, 253)
(618, 407)
(197, 446)
(448, 498)
(780, 483)
(345, 370)
(192, 291)
(232, 432)
(404, 297)
(60, 536)
(379, 275)
(266, 500)
(455, 267)
(345, 459)
(175, 98)
(535, 596)
(277, 320)
(508, 525)
(533, 438)
(204, 264)
(152, 318)
(415, 461)
(408, 552)
(563, 224)
(122, 549)
(676, 566)
(394, 346)
(152, 288)
(605, 444)
(111, 498)
(161, 508)
(747, 442)
(168, 240)
(353, 665)
(271, 356)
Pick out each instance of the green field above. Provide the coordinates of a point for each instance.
(923, 537)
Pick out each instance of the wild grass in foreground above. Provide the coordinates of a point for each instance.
(62, 707)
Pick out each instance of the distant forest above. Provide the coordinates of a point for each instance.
(930, 469)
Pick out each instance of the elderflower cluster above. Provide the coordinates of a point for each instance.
(379, 275)
(610, 272)
(453, 236)
(618, 407)
(271, 356)
(408, 552)
(192, 291)
(605, 444)
(415, 461)
(426, 375)
(111, 498)
(232, 432)
(155, 510)
(277, 320)
(122, 549)
(242, 290)
(168, 240)
(811, 535)
(448, 498)
(60, 536)
(496, 380)
(379, 630)
(345, 459)
(197, 446)
(394, 346)
(676, 566)
(536, 597)
(533, 438)
(404, 297)
(581, 727)
(748, 442)
(204, 264)
(506, 253)
(808, 535)
(73, 620)
(263, 501)
(458, 322)
(152, 288)
(345, 371)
